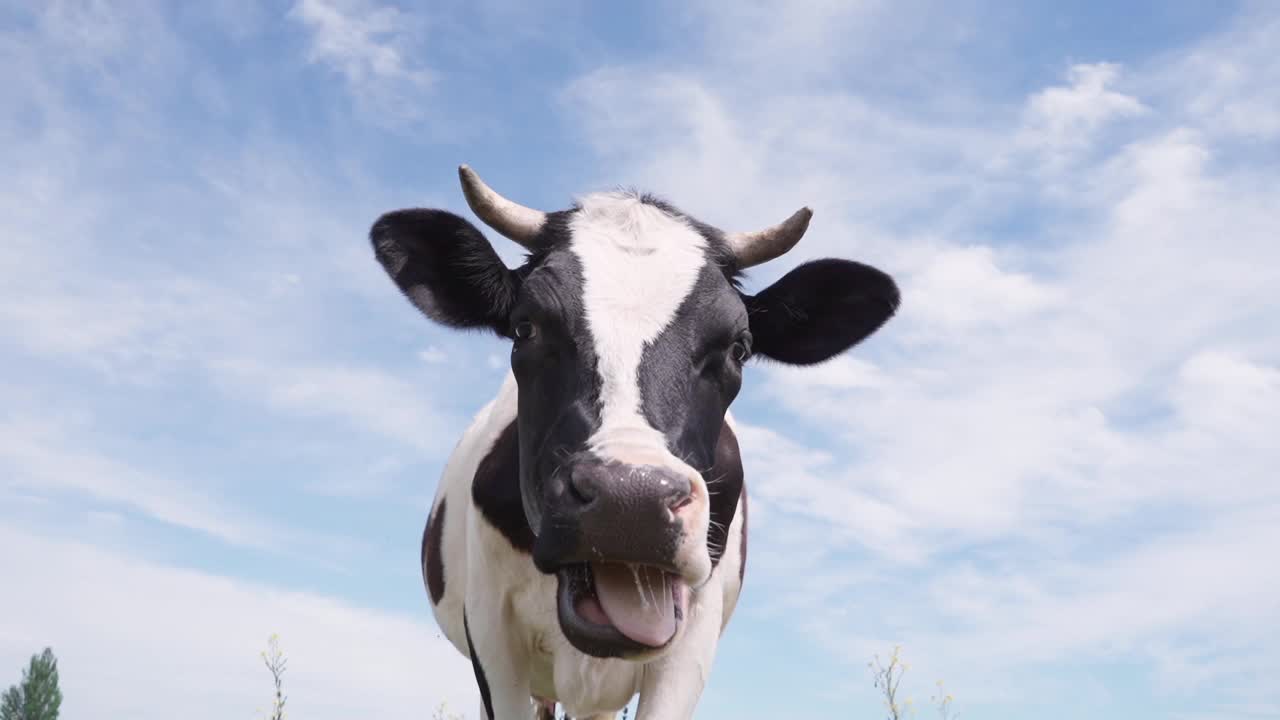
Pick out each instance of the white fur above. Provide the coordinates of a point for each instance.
(511, 611)
(638, 266)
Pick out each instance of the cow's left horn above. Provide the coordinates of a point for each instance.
(517, 222)
(761, 246)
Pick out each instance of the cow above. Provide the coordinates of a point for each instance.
(588, 537)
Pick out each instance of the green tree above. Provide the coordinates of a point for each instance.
(37, 697)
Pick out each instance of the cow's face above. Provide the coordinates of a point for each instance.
(629, 338)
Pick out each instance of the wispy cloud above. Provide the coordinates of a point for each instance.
(1227, 82)
(45, 457)
(376, 49)
(114, 620)
(154, 280)
(366, 399)
(1031, 397)
(1061, 121)
(1069, 419)
(1061, 133)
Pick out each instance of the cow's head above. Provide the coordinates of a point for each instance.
(629, 335)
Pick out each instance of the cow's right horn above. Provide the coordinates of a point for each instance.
(517, 222)
(761, 246)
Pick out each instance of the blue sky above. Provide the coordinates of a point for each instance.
(1051, 479)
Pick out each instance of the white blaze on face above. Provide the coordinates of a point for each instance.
(638, 266)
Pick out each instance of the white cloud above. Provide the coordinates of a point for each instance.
(1102, 379)
(962, 288)
(1228, 400)
(152, 278)
(797, 479)
(1193, 605)
(1066, 420)
(164, 325)
(367, 399)
(229, 281)
(433, 355)
(374, 48)
(1061, 121)
(783, 40)
(139, 640)
(95, 34)
(1230, 83)
(710, 147)
(41, 457)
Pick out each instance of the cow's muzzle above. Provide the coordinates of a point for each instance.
(613, 538)
(610, 512)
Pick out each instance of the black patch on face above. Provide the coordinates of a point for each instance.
(432, 561)
(496, 490)
(481, 680)
(688, 378)
(559, 387)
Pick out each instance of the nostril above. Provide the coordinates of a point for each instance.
(578, 495)
(580, 488)
(679, 503)
(681, 493)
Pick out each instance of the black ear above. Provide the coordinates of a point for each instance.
(446, 267)
(819, 310)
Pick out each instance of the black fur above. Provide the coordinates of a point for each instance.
(496, 491)
(432, 559)
(688, 379)
(481, 680)
(559, 400)
(724, 482)
(819, 310)
(742, 561)
(446, 268)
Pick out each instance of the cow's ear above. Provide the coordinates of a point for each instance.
(446, 268)
(819, 310)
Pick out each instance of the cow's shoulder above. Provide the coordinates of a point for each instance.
(495, 490)
(724, 484)
(483, 471)
(432, 551)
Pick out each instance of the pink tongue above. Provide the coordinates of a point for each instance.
(638, 601)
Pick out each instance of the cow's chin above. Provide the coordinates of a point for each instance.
(646, 624)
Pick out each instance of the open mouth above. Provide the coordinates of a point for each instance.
(619, 609)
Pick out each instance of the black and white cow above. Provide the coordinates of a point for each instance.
(588, 538)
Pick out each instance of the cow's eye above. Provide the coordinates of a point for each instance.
(525, 330)
(741, 351)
